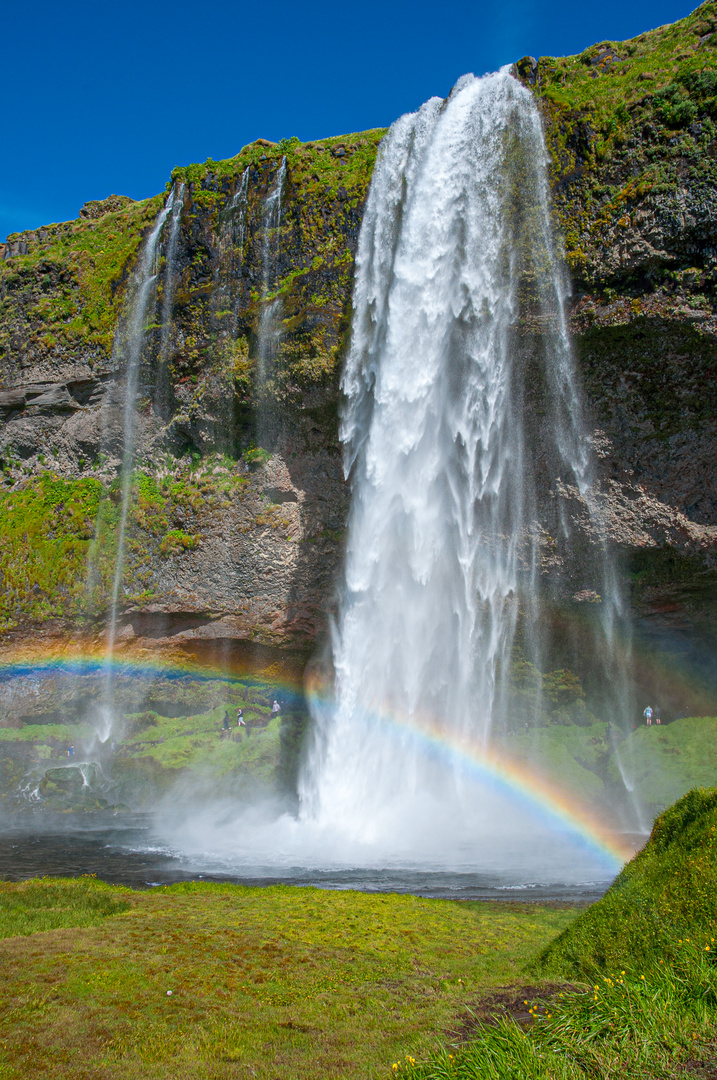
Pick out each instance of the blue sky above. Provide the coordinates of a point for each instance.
(104, 98)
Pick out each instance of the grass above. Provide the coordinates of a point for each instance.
(645, 956)
(278, 982)
(666, 761)
(643, 1025)
(30, 907)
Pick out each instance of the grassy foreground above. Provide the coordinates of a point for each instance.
(278, 982)
(223, 981)
(645, 958)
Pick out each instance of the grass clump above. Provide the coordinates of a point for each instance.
(642, 1025)
(27, 907)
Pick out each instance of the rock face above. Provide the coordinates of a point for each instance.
(631, 133)
(239, 501)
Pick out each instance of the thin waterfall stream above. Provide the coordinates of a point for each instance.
(268, 323)
(128, 349)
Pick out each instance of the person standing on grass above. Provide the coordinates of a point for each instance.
(226, 722)
(240, 719)
(648, 715)
(656, 714)
(276, 707)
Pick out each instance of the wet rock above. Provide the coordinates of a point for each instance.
(527, 69)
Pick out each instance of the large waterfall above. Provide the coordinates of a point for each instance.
(443, 448)
(469, 467)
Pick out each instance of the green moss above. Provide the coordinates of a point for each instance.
(47, 530)
(667, 894)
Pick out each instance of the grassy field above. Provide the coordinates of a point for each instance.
(279, 982)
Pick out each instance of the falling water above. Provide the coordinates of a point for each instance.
(128, 349)
(237, 214)
(268, 323)
(442, 550)
(169, 289)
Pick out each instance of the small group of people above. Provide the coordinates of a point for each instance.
(227, 721)
(240, 722)
(651, 714)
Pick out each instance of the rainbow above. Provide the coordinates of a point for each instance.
(508, 776)
(487, 765)
(78, 664)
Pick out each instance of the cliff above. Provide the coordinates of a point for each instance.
(239, 500)
(239, 497)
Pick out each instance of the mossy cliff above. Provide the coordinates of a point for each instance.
(239, 501)
(632, 134)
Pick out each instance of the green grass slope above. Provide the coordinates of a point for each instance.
(647, 948)
(665, 898)
(666, 762)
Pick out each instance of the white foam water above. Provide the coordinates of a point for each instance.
(442, 555)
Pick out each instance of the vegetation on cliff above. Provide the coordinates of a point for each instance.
(630, 124)
(58, 541)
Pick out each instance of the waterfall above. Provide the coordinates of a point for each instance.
(446, 450)
(128, 350)
(237, 214)
(268, 336)
(162, 387)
